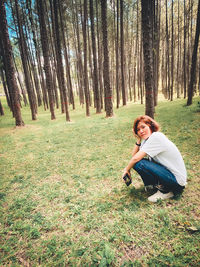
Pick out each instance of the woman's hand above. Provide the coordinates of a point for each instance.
(126, 172)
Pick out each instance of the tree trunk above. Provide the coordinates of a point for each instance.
(95, 71)
(9, 68)
(172, 52)
(184, 53)
(37, 52)
(79, 57)
(122, 52)
(1, 109)
(178, 56)
(25, 61)
(45, 50)
(60, 68)
(68, 72)
(100, 67)
(168, 80)
(148, 55)
(4, 81)
(156, 43)
(106, 72)
(194, 59)
(117, 56)
(86, 89)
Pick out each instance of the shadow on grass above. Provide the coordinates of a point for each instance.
(136, 198)
(133, 198)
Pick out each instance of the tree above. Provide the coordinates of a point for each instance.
(106, 73)
(86, 88)
(172, 53)
(117, 56)
(122, 51)
(147, 12)
(194, 59)
(1, 109)
(95, 71)
(25, 63)
(60, 68)
(46, 53)
(9, 66)
(68, 72)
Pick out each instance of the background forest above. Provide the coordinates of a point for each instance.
(103, 52)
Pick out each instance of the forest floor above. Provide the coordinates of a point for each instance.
(63, 202)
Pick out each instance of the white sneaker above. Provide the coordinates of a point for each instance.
(159, 195)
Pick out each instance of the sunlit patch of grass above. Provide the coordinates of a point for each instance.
(63, 203)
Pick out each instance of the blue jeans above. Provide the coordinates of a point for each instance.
(153, 173)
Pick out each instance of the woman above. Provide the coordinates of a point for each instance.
(164, 167)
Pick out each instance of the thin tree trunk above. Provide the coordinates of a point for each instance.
(24, 57)
(1, 109)
(178, 55)
(172, 52)
(194, 58)
(68, 72)
(167, 54)
(117, 56)
(20, 83)
(4, 82)
(148, 57)
(86, 89)
(60, 69)
(184, 53)
(106, 72)
(122, 52)
(45, 50)
(95, 71)
(79, 58)
(9, 68)
(100, 67)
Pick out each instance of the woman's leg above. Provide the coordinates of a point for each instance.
(154, 174)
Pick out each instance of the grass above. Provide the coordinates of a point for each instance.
(63, 202)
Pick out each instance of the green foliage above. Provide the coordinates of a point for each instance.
(63, 202)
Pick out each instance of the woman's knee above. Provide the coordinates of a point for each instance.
(138, 165)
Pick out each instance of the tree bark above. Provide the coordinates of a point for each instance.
(68, 71)
(106, 73)
(45, 50)
(86, 88)
(172, 52)
(117, 56)
(194, 59)
(122, 53)
(100, 67)
(9, 68)
(95, 71)
(60, 68)
(1, 109)
(148, 55)
(25, 62)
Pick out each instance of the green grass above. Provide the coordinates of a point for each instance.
(63, 202)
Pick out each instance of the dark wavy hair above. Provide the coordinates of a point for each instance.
(154, 126)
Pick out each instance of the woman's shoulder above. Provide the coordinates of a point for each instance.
(158, 135)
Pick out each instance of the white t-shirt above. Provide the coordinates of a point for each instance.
(163, 151)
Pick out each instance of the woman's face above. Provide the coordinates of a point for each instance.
(143, 130)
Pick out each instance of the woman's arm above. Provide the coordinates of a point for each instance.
(136, 147)
(137, 157)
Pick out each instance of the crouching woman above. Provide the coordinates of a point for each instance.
(157, 160)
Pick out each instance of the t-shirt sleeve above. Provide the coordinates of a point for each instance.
(154, 145)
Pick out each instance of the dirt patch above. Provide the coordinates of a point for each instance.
(132, 252)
